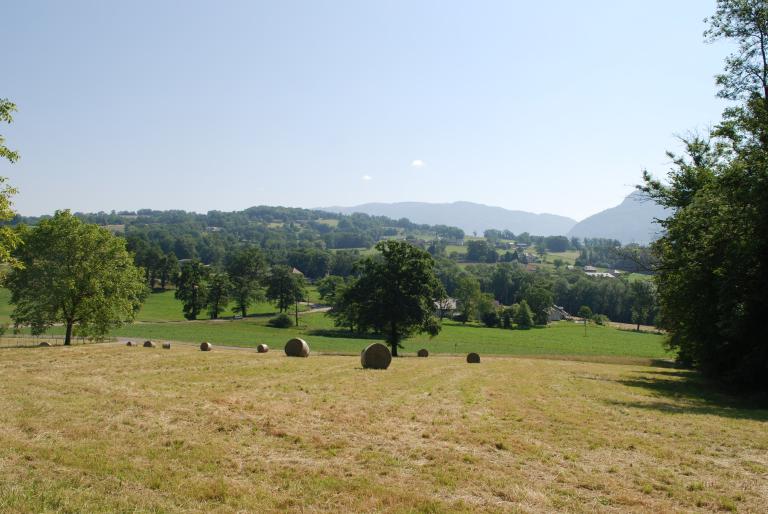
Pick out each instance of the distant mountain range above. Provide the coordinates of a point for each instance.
(629, 222)
(468, 216)
(632, 221)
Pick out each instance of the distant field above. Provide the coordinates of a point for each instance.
(460, 249)
(329, 222)
(162, 306)
(568, 257)
(105, 428)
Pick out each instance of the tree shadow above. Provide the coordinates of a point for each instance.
(340, 333)
(687, 392)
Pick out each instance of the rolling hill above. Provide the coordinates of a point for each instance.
(632, 221)
(470, 217)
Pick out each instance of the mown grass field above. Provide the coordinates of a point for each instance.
(107, 428)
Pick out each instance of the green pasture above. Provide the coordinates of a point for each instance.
(163, 307)
(561, 338)
(161, 318)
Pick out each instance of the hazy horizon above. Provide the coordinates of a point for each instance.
(311, 207)
(551, 108)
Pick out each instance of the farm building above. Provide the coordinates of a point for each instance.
(446, 307)
(557, 313)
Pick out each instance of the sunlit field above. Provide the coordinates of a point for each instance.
(106, 428)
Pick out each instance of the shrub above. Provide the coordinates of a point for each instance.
(506, 318)
(524, 316)
(280, 321)
(490, 318)
(461, 318)
(585, 312)
(600, 319)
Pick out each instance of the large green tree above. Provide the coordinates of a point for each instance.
(467, 296)
(643, 302)
(713, 274)
(9, 239)
(76, 274)
(394, 293)
(219, 287)
(192, 288)
(169, 269)
(539, 300)
(285, 287)
(247, 270)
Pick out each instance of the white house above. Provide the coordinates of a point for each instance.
(557, 313)
(446, 307)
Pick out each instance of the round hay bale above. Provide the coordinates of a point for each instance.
(375, 356)
(129, 343)
(297, 348)
(149, 344)
(166, 346)
(262, 348)
(45, 344)
(422, 353)
(206, 347)
(473, 358)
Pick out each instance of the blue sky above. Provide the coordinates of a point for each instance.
(540, 106)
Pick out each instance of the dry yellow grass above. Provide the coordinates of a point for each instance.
(114, 429)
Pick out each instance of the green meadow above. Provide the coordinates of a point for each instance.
(161, 318)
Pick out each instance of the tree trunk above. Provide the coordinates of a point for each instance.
(638, 327)
(394, 340)
(242, 310)
(297, 313)
(68, 338)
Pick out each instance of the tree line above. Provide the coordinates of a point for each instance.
(712, 271)
(507, 295)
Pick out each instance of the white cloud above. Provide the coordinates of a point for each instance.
(367, 177)
(418, 163)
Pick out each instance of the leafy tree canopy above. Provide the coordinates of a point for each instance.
(8, 238)
(394, 293)
(76, 274)
(712, 275)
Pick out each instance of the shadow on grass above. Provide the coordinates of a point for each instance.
(478, 325)
(687, 392)
(341, 334)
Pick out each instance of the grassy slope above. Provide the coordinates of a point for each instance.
(110, 428)
(162, 306)
(317, 329)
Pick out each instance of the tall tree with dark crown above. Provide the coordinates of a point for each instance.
(395, 292)
(712, 275)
